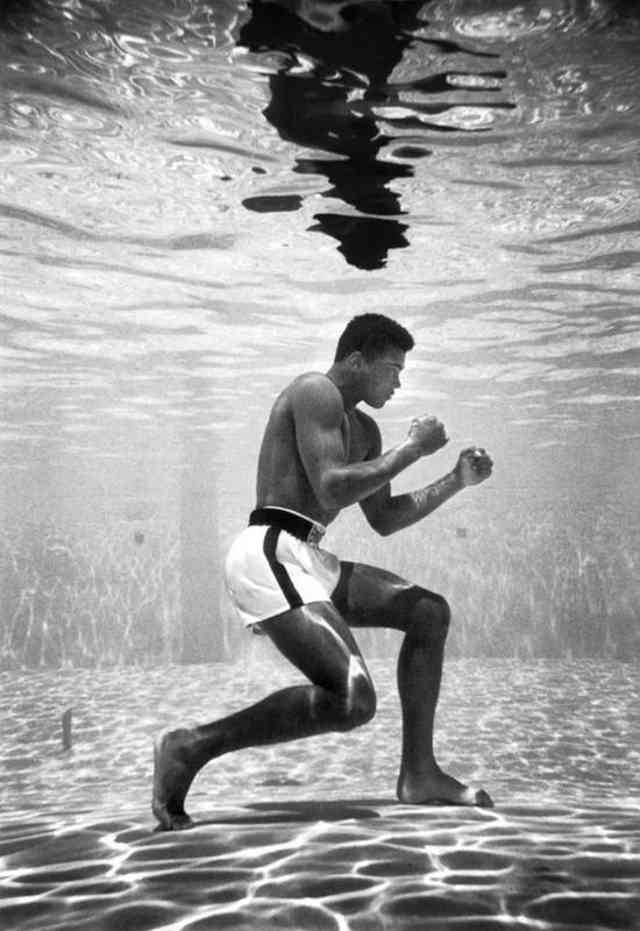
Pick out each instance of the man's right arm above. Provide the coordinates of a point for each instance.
(319, 416)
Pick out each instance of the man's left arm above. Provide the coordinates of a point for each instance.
(388, 513)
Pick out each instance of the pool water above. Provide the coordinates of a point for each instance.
(194, 198)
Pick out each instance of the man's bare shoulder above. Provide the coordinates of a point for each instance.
(312, 382)
(315, 392)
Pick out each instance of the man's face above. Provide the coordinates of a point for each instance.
(382, 376)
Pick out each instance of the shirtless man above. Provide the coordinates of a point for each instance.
(319, 454)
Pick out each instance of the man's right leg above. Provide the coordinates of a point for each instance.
(372, 597)
(314, 638)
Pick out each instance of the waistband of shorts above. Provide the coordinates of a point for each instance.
(309, 531)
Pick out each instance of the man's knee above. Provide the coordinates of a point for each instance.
(358, 705)
(429, 615)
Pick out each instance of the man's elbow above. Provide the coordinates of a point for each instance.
(381, 524)
(332, 494)
(384, 530)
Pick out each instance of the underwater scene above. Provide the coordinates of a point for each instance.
(195, 198)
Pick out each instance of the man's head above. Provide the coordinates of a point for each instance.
(371, 334)
(370, 353)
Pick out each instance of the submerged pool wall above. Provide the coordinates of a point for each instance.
(147, 592)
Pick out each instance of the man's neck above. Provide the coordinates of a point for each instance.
(345, 385)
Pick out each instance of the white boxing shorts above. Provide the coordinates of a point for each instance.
(275, 565)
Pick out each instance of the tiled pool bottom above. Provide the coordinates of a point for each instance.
(309, 835)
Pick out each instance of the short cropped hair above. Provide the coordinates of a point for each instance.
(371, 334)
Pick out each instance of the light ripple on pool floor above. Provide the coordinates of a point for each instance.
(560, 851)
(366, 864)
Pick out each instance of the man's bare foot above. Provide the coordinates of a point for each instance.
(439, 788)
(173, 773)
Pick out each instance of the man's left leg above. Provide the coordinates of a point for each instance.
(339, 696)
(371, 597)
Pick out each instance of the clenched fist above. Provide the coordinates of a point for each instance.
(427, 434)
(474, 465)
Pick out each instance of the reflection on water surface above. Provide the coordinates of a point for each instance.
(332, 81)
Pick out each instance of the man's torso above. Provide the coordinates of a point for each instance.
(282, 480)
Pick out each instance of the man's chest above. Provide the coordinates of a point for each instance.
(356, 441)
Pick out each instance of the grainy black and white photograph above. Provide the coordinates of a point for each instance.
(320, 465)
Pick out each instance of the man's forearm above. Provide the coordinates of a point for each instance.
(406, 509)
(352, 483)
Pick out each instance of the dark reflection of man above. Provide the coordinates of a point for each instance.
(337, 57)
(353, 49)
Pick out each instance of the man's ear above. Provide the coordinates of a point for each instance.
(356, 361)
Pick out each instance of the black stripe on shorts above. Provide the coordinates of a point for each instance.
(283, 578)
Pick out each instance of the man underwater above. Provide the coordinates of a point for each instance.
(320, 453)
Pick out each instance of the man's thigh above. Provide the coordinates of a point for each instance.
(317, 640)
(367, 596)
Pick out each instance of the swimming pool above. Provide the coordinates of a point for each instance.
(193, 199)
